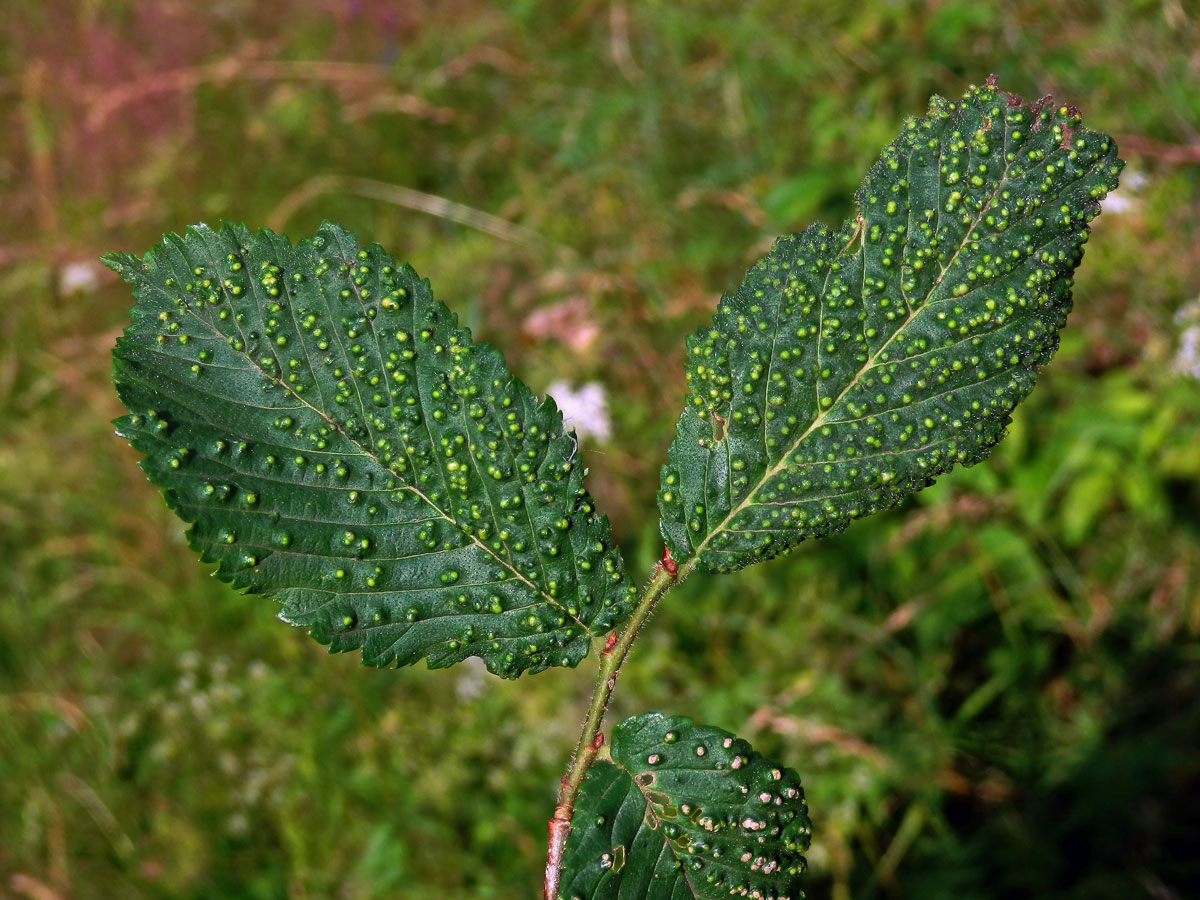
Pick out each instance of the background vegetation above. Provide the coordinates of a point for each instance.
(991, 693)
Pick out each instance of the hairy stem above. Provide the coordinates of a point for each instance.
(590, 738)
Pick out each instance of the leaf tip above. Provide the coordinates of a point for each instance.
(124, 264)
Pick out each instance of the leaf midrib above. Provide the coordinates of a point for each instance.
(306, 554)
(667, 844)
(729, 867)
(470, 456)
(366, 453)
(821, 417)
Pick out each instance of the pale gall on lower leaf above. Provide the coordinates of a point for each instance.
(686, 812)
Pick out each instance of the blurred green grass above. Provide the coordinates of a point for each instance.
(991, 693)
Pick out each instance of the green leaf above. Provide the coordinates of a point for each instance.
(853, 367)
(339, 444)
(685, 811)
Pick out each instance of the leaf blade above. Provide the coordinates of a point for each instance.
(394, 486)
(851, 368)
(685, 810)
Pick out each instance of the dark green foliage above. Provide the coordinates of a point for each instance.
(686, 811)
(1046, 580)
(341, 445)
(851, 368)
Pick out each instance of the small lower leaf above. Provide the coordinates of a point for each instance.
(685, 811)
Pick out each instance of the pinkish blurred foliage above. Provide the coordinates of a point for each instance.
(568, 322)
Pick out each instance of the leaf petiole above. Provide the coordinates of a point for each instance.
(615, 651)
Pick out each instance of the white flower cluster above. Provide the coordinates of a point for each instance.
(585, 409)
(1187, 357)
